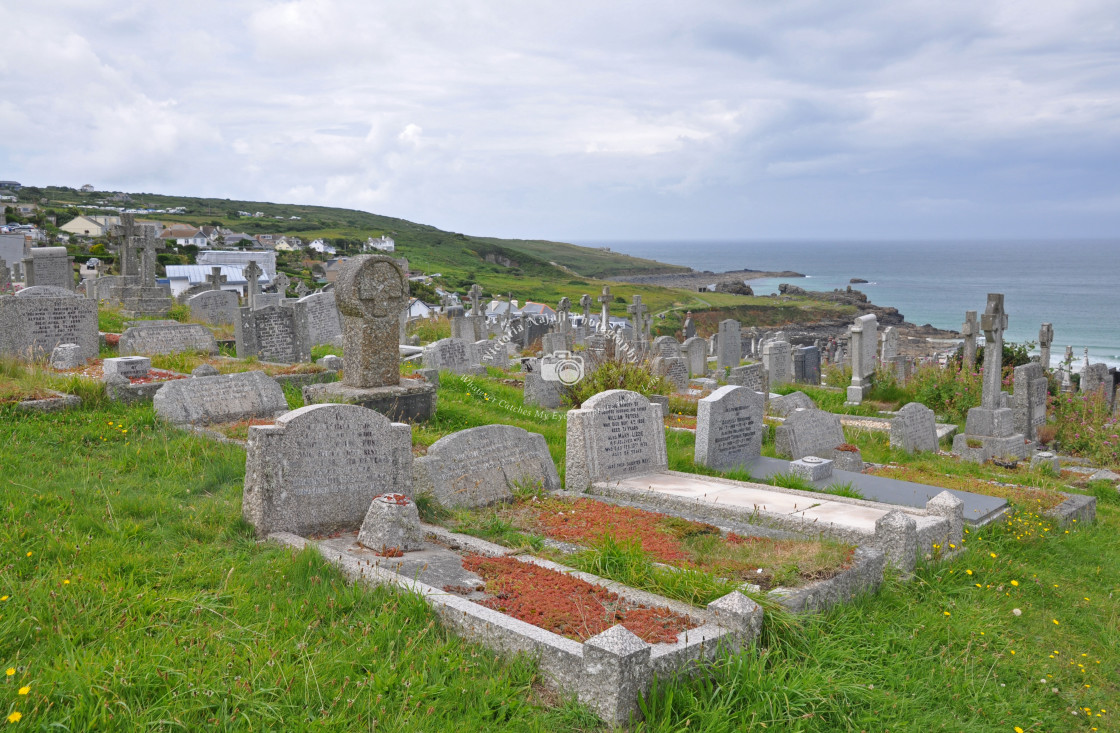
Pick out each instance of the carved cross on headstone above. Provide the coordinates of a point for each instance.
(994, 322)
(129, 234)
(605, 316)
(1045, 338)
(476, 299)
(282, 282)
(372, 293)
(253, 274)
(215, 278)
(585, 303)
(638, 312)
(302, 290)
(970, 330)
(562, 310)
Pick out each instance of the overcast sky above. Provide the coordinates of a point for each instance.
(586, 120)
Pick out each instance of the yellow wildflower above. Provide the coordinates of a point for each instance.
(25, 689)
(15, 717)
(11, 671)
(1015, 582)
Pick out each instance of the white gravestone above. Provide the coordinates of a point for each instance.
(615, 434)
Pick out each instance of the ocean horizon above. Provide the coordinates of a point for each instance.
(1071, 283)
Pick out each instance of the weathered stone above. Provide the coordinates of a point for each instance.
(392, 522)
(730, 347)
(809, 433)
(49, 266)
(666, 346)
(331, 362)
(896, 534)
(1095, 378)
(30, 327)
(538, 390)
(1045, 338)
(674, 369)
(67, 356)
(214, 306)
(205, 370)
(45, 291)
(695, 350)
(150, 338)
(949, 506)
(1046, 459)
(371, 292)
(319, 467)
(890, 345)
(614, 434)
(130, 367)
(482, 466)
(273, 333)
(616, 673)
(323, 320)
(970, 329)
(914, 428)
(807, 365)
(454, 355)
(223, 398)
(1028, 403)
(777, 358)
(811, 468)
(864, 336)
(786, 405)
(728, 427)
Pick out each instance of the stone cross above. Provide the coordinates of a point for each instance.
(216, 278)
(605, 317)
(994, 322)
(508, 317)
(282, 283)
(128, 233)
(476, 297)
(1086, 359)
(562, 311)
(969, 330)
(253, 274)
(147, 245)
(638, 310)
(585, 303)
(302, 291)
(372, 292)
(1045, 338)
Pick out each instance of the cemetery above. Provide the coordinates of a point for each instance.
(595, 508)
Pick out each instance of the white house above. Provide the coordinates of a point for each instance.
(320, 246)
(419, 309)
(90, 226)
(384, 243)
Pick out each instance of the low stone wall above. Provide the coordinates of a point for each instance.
(51, 404)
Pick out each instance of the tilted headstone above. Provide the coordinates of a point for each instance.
(970, 329)
(150, 338)
(615, 434)
(538, 390)
(807, 365)
(777, 357)
(914, 428)
(224, 398)
(481, 466)
(786, 405)
(371, 292)
(454, 355)
(666, 346)
(808, 433)
(674, 369)
(864, 337)
(1029, 399)
(274, 333)
(729, 427)
(695, 350)
(215, 306)
(730, 348)
(318, 468)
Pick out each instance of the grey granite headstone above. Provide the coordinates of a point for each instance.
(166, 337)
(1029, 399)
(809, 433)
(1095, 378)
(371, 292)
(265, 300)
(224, 398)
(30, 327)
(67, 356)
(914, 428)
(688, 329)
(554, 342)
(214, 306)
(45, 291)
(666, 346)
(491, 352)
(1045, 339)
(454, 355)
(482, 466)
(695, 350)
(319, 467)
(392, 522)
(538, 390)
(970, 329)
(274, 333)
(674, 369)
(49, 266)
(864, 335)
(730, 347)
(786, 405)
(777, 357)
(729, 427)
(323, 321)
(890, 344)
(615, 434)
(751, 376)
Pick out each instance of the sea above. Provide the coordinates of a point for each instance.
(1073, 284)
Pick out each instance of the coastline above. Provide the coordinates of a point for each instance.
(696, 279)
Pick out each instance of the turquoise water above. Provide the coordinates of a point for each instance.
(1073, 284)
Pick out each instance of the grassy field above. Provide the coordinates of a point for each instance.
(134, 596)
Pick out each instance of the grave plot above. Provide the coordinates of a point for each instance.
(596, 639)
(585, 531)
